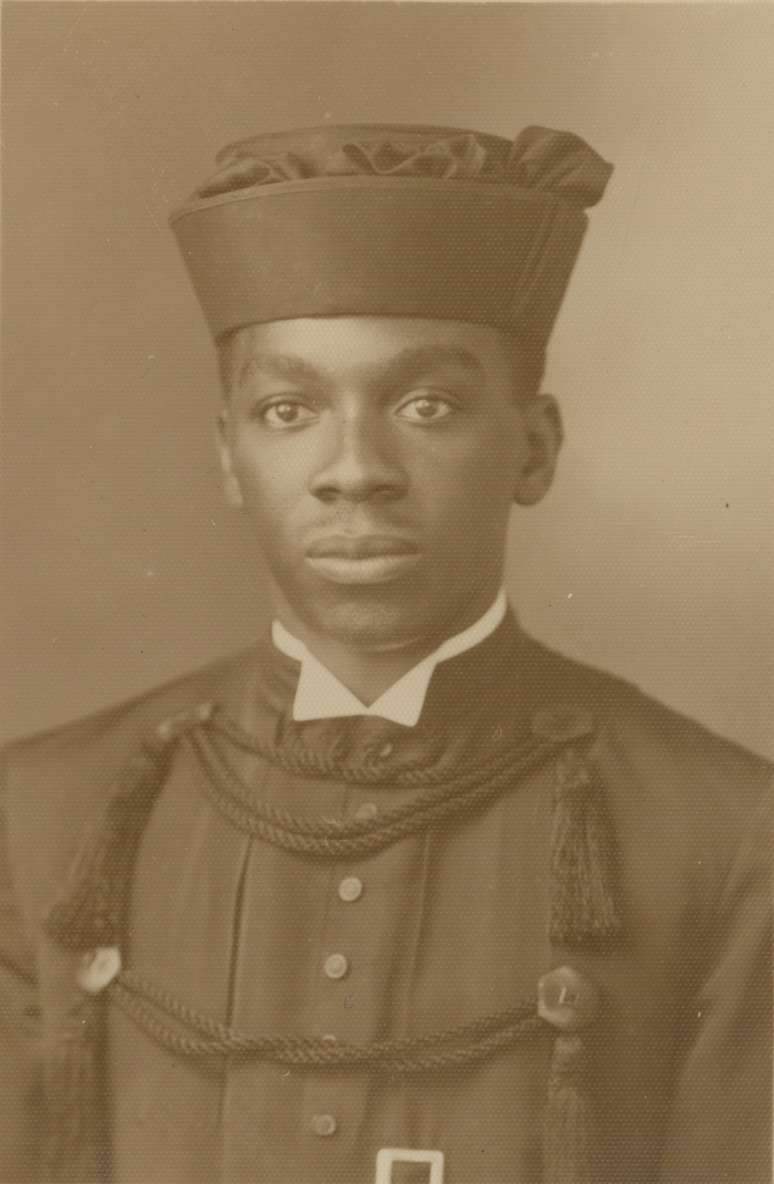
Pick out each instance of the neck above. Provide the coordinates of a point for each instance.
(368, 673)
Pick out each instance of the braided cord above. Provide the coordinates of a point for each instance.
(147, 1005)
(307, 763)
(339, 839)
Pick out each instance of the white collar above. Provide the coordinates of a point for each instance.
(320, 695)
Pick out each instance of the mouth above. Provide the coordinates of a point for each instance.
(363, 559)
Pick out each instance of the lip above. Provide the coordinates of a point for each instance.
(362, 546)
(364, 569)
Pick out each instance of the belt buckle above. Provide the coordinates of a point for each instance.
(387, 1156)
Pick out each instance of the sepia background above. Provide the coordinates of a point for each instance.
(653, 554)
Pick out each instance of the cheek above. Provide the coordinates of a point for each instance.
(475, 480)
(267, 471)
(270, 485)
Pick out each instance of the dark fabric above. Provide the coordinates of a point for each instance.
(539, 158)
(449, 924)
(392, 221)
(20, 1062)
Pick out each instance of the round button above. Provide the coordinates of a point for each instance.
(324, 1125)
(97, 968)
(329, 1038)
(350, 889)
(336, 966)
(567, 999)
(366, 812)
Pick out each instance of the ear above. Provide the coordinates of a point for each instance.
(231, 486)
(542, 422)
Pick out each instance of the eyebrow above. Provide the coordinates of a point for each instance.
(409, 363)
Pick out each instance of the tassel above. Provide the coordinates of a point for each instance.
(90, 919)
(90, 916)
(567, 1133)
(583, 900)
(91, 913)
(75, 1144)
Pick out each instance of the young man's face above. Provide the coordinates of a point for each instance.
(377, 459)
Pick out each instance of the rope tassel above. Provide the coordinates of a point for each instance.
(567, 1133)
(75, 1147)
(91, 913)
(583, 888)
(89, 919)
(90, 916)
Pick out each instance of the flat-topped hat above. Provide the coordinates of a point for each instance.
(391, 220)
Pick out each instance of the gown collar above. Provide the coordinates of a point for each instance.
(477, 701)
(320, 695)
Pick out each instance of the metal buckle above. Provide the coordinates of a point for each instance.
(387, 1156)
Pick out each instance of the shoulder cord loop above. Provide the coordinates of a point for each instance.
(339, 839)
(92, 912)
(583, 893)
(145, 1003)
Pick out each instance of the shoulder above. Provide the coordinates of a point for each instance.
(54, 782)
(635, 729)
(94, 738)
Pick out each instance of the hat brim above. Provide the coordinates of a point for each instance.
(382, 246)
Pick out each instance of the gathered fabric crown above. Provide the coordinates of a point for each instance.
(391, 220)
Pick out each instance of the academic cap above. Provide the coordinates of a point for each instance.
(391, 220)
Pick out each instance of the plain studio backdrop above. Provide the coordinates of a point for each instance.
(652, 556)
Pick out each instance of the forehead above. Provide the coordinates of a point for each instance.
(344, 344)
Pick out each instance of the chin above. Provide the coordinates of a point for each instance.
(373, 625)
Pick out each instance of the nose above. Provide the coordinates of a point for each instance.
(360, 462)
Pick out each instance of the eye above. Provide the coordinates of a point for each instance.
(425, 407)
(285, 413)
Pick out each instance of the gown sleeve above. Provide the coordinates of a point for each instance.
(720, 1123)
(21, 1113)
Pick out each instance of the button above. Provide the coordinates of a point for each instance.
(336, 966)
(350, 888)
(97, 968)
(567, 999)
(379, 752)
(324, 1125)
(176, 724)
(366, 812)
(562, 721)
(329, 1038)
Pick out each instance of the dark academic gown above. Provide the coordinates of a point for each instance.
(437, 928)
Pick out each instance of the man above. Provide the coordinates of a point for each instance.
(399, 895)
